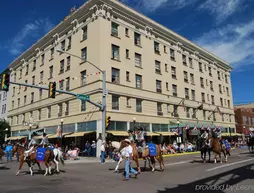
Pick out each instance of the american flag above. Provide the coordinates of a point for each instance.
(195, 127)
(202, 128)
(208, 128)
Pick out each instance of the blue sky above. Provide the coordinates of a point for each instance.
(224, 27)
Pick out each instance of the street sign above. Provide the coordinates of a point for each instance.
(83, 97)
(105, 92)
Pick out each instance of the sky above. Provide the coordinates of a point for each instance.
(223, 27)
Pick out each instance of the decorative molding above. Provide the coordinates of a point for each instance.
(38, 52)
(102, 10)
(179, 47)
(56, 37)
(149, 32)
(75, 25)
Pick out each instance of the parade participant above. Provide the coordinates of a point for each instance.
(128, 160)
(44, 140)
(140, 138)
(131, 135)
(252, 134)
(204, 135)
(8, 150)
(217, 133)
(31, 145)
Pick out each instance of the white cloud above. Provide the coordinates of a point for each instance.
(233, 43)
(221, 9)
(18, 43)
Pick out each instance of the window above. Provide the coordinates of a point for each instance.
(25, 100)
(172, 54)
(166, 68)
(218, 73)
(49, 112)
(226, 78)
(20, 74)
(220, 90)
(138, 60)
(40, 93)
(167, 86)
(128, 102)
(211, 85)
(27, 69)
(42, 59)
(127, 54)
(165, 49)
(114, 29)
(115, 52)
(63, 45)
(193, 95)
(212, 98)
(15, 77)
(61, 66)
(41, 76)
(18, 102)
(202, 82)
(52, 52)
(127, 32)
(158, 86)
(83, 78)
(228, 103)
(84, 54)
(60, 110)
(188, 112)
(157, 67)
(34, 65)
(221, 102)
(69, 43)
(83, 106)
(174, 90)
(33, 80)
(12, 104)
(138, 81)
(225, 102)
(67, 84)
(208, 98)
(137, 39)
(159, 109)
(205, 67)
(67, 108)
(138, 105)
(156, 47)
(127, 76)
(175, 110)
(185, 75)
(204, 114)
(68, 67)
(191, 62)
(32, 97)
(115, 76)
(227, 91)
(115, 102)
(210, 71)
(203, 97)
(18, 91)
(184, 60)
(186, 91)
(192, 78)
(173, 72)
(200, 67)
(13, 91)
(84, 33)
(51, 72)
(223, 88)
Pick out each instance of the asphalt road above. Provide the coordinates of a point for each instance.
(182, 174)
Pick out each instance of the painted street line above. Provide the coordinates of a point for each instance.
(231, 164)
(176, 163)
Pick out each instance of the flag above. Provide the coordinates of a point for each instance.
(202, 128)
(195, 127)
(200, 107)
(219, 111)
(187, 127)
(208, 128)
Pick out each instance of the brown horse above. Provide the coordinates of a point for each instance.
(2, 153)
(217, 149)
(48, 158)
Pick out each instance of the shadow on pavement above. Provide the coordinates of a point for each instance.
(230, 180)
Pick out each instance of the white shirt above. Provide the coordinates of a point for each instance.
(102, 147)
(128, 151)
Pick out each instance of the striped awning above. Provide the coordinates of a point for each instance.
(16, 137)
(152, 134)
(79, 134)
(167, 133)
(41, 136)
(55, 135)
(118, 133)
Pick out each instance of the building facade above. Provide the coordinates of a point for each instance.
(3, 105)
(244, 118)
(154, 76)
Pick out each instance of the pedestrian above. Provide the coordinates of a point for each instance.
(88, 149)
(103, 150)
(8, 150)
(93, 149)
(128, 152)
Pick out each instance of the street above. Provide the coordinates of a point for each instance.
(182, 174)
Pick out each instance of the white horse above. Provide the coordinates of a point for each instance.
(116, 145)
(58, 157)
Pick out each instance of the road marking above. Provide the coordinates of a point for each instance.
(176, 163)
(231, 164)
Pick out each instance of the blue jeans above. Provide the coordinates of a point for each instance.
(94, 152)
(102, 156)
(129, 169)
(8, 156)
(89, 151)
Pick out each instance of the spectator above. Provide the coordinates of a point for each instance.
(88, 148)
(93, 149)
(8, 150)
(103, 152)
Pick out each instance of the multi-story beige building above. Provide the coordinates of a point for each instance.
(153, 75)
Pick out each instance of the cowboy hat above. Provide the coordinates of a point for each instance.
(127, 140)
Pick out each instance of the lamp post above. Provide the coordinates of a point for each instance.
(6, 130)
(104, 92)
(61, 143)
(30, 131)
(134, 124)
(178, 124)
(229, 131)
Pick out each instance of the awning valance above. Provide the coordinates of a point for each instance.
(225, 134)
(152, 134)
(167, 133)
(41, 136)
(79, 134)
(16, 137)
(55, 135)
(118, 133)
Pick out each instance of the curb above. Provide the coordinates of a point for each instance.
(181, 154)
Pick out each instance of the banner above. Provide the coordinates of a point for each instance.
(40, 154)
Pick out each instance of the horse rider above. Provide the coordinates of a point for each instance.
(251, 134)
(44, 140)
(131, 136)
(32, 144)
(140, 139)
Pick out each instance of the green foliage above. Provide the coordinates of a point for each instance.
(3, 126)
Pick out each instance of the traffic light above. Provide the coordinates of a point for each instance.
(5, 82)
(52, 90)
(108, 121)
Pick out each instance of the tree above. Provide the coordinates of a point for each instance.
(3, 126)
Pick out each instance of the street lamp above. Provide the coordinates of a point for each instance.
(104, 92)
(134, 124)
(30, 131)
(61, 132)
(178, 124)
(6, 130)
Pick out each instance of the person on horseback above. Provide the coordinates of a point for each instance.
(217, 133)
(32, 144)
(44, 140)
(140, 139)
(131, 135)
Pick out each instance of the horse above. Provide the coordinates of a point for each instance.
(2, 153)
(29, 160)
(204, 148)
(119, 147)
(217, 148)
